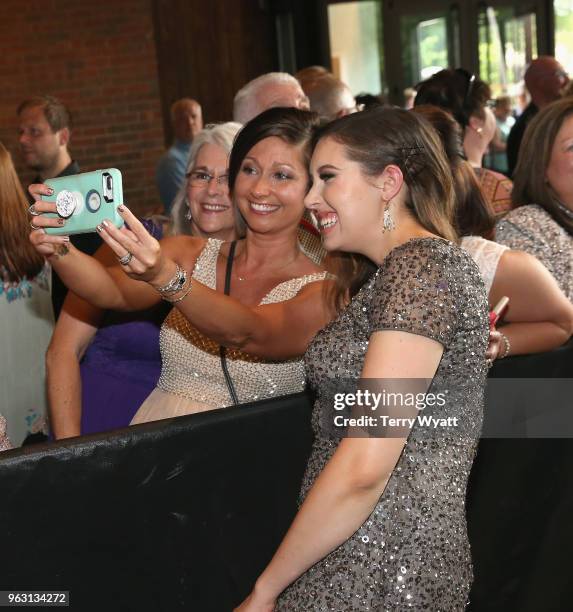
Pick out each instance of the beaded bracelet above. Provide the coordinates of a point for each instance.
(506, 346)
(172, 300)
(176, 283)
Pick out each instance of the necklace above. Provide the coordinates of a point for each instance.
(566, 210)
(245, 278)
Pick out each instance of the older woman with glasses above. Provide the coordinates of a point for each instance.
(465, 96)
(103, 364)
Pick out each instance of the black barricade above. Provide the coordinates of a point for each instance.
(173, 515)
(184, 514)
(520, 504)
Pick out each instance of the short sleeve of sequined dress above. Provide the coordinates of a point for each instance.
(412, 292)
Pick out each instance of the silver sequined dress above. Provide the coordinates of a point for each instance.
(530, 228)
(192, 379)
(412, 553)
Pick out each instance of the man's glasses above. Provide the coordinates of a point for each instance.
(199, 178)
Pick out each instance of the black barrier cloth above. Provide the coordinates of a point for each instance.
(520, 504)
(184, 514)
(173, 515)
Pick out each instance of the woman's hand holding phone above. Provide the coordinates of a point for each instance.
(45, 244)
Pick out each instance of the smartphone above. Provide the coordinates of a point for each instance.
(85, 200)
(498, 311)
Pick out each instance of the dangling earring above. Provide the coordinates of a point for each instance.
(388, 225)
(188, 213)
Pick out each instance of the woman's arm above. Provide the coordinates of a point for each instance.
(272, 331)
(348, 489)
(106, 288)
(539, 316)
(77, 324)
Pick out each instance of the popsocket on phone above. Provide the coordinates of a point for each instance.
(66, 203)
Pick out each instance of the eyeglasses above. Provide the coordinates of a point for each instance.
(198, 178)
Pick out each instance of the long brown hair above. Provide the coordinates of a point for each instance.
(17, 256)
(473, 214)
(529, 183)
(377, 138)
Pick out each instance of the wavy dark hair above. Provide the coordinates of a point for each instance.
(473, 214)
(458, 91)
(383, 136)
(296, 127)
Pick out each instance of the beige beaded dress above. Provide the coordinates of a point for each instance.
(192, 379)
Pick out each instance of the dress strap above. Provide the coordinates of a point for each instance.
(205, 270)
(288, 289)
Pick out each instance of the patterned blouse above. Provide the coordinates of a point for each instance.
(532, 229)
(497, 189)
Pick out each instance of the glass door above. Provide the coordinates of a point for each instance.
(507, 44)
(422, 37)
(355, 35)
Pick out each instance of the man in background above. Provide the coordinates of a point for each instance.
(330, 98)
(44, 130)
(545, 80)
(268, 91)
(187, 122)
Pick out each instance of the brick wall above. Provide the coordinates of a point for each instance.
(100, 59)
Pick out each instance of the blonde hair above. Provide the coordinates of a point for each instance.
(222, 135)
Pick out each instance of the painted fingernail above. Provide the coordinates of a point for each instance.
(62, 221)
(105, 223)
(121, 208)
(50, 191)
(66, 238)
(99, 228)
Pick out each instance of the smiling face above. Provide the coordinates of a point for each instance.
(270, 186)
(560, 169)
(347, 204)
(208, 193)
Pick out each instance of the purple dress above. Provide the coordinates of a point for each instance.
(121, 365)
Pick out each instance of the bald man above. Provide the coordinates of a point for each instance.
(330, 98)
(545, 80)
(187, 121)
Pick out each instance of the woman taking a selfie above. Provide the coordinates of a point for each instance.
(267, 273)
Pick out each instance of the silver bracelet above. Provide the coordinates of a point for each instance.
(176, 283)
(172, 300)
(506, 346)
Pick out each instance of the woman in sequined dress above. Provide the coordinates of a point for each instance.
(273, 281)
(382, 523)
(542, 222)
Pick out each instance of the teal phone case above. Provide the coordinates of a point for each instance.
(97, 195)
